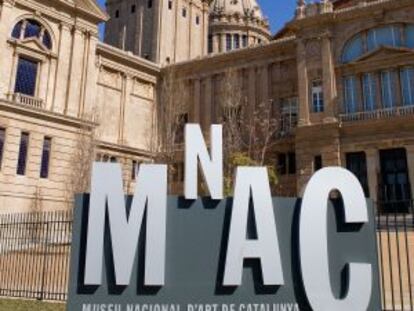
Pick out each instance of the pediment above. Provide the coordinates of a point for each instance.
(384, 52)
(33, 44)
(88, 7)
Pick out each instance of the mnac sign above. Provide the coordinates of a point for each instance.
(252, 252)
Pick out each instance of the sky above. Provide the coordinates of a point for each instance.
(277, 11)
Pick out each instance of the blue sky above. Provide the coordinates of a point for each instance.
(278, 11)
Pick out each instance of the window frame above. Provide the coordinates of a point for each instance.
(22, 163)
(28, 58)
(317, 96)
(3, 136)
(48, 157)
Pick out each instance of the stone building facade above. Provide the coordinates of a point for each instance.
(340, 74)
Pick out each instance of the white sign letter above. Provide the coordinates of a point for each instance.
(150, 194)
(212, 168)
(253, 181)
(314, 241)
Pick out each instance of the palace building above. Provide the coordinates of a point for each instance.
(339, 75)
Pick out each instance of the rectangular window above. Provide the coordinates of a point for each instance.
(2, 141)
(210, 44)
(228, 42)
(26, 77)
(317, 163)
(350, 94)
(409, 36)
(117, 14)
(356, 162)
(292, 163)
(133, 8)
(23, 150)
(184, 12)
(44, 166)
(244, 41)
(369, 88)
(237, 41)
(281, 164)
(388, 89)
(197, 20)
(170, 4)
(317, 96)
(407, 85)
(289, 115)
(149, 4)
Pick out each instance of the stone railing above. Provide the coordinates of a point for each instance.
(377, 114)
(28, 100)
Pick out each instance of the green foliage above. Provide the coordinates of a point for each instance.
(242, 159)
(25, 305)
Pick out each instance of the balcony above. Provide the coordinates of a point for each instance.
(385, 113)
(27, 100)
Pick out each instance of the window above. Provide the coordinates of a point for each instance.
(32, 29)
(228, 42)
(389, 35)
(356, 162)
(184, 12)
(113, 160)
(353, 49)
(117, 14)
(289, 115)
(292, 163)
(2, 140)
(17, 30)
(210, 44)
(133, 8)
(149, 4)
(407, 85)
(317, 96)
(26, 77)
(23, 149)
(244, 41)
(369, 89)
(237, 41)
(182, 120)
(197, 20)
(170, 4)
(350, 94)
(317, 163)
(281, 164)
(44, 166)
(388, 88)
(409, 36)
(392, 35)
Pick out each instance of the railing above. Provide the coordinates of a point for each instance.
(27, 100)
(34, 255)
(377, 114)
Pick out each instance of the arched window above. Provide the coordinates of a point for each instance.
(30, 28)
(391, 35)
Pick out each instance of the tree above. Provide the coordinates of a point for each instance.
(173, 114)
(249, 132)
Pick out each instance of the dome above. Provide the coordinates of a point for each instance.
(237, 7)
(236, 24)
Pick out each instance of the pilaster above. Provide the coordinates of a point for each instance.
(329, 83)
(373, 169)
(303, 84)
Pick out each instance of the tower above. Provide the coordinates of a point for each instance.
(163, 31)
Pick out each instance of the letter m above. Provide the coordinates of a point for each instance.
(107, 195)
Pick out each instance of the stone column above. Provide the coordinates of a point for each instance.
(329, 83)
(196, 107)
(206, 109)
(7, 54)
(216, 43)
(223, 43)
(127, 85)
(264, 82)
(373, 169)
(303, 85)
(410, 161)
(251, 92)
